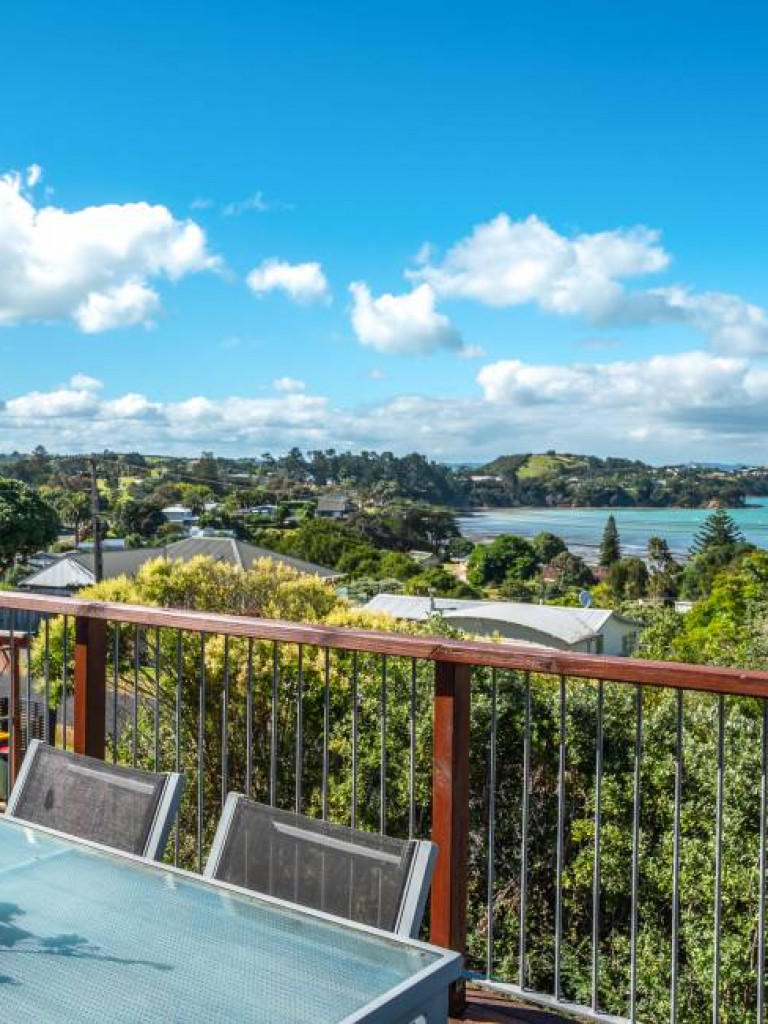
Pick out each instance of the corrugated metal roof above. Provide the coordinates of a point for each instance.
(242, 554)
(567, 624)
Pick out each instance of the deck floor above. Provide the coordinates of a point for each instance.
(489, 1008)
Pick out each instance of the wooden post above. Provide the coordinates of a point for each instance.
(90, 686)
(450, 812)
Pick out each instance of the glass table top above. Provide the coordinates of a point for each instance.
(88, 937)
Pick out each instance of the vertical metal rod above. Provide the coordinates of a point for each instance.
(560, 843)
(14, 718)
(524, 832)
(136, 663)
(273, 727)
(676, 861)
(179, 678)
(355, 712)
(637, 794)
(326, 728)
(412, 754)
(249, 723)
(28, 695)
(201, 754)
(719, 810)
(64, 681)
(225, 726)
(490, 879)
(115, 687)
(300, 730)
(761, 910)
(596, 882)
(383, 741)
(157, 700)
(47, 680)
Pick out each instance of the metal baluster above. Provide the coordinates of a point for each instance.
(761, 910)
(326, 729)
(490, 880)
(383, 741)
(225, 726)
(13, 696)
(596, 858)
(300, 730)
(136, 663)
(676, 861)
(64, 681)
(201, 754)
(412, 755)
(157, 699)
(560, 843)
(273, 728)
(249, 723)
(115, 687)
(718, 856)
(47, 679)
(179, 677)
(28, 691)
(636, 851)
(355, 712)
(524, 832)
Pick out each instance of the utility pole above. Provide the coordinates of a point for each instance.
(98, 561)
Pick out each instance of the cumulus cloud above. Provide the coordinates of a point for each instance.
(668, 408)
(508, 263)
(94, 266)
(289, 385)
(401, 323)
(511, 263)
(33, 175)
(304, 283)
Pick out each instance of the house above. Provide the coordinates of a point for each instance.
(425, 559)
(335, 506)
(179, 514)
(74, 570)
(591, 630)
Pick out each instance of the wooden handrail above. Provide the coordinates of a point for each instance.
(506, 655)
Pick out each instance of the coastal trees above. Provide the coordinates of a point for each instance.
(716, 545)
(718, 531)
(548, 545)
(27, 523)
(610, 545)
(506, 556)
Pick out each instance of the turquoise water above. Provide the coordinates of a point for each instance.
(581, 528)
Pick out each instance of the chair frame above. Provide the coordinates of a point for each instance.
(165, 812)
(414, 900)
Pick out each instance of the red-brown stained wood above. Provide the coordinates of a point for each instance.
(450, 812)
(461, 652)
(90, 686)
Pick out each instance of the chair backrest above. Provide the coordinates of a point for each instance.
(124, 808)
(373, 879)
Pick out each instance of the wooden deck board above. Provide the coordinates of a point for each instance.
(490, 1008)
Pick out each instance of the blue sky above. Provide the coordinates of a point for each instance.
(553, 219)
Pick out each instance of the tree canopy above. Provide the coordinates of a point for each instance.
(27, 522)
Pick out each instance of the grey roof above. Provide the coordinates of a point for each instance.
(569, 625)
(74, 569)
(333, 503)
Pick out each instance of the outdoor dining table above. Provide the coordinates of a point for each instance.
(89, 934)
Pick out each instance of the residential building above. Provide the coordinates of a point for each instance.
(335, 506)
(74, 570)
(591, 630)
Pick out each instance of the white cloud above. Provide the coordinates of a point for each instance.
(201, 203)
(508, 263)
(668, 408)
(511, 263)
(302, 282)
(401, 323)
(82, 382)
(92, 266)
(33, 175)
(377, 374)
(289, 385)
(255, 202)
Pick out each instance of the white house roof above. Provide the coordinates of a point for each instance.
(569, 625)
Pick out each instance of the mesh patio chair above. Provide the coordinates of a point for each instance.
(124, 808)
(372, 879)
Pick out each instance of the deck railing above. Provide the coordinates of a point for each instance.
(601, 821)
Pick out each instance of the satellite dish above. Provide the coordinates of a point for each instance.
(585, 599)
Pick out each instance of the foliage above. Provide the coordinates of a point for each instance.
(610, 545)
(718, 532)
(27, 523)
(548, 546)
(506, 556)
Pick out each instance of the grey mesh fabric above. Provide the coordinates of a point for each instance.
(87, 798)
(352, 874)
